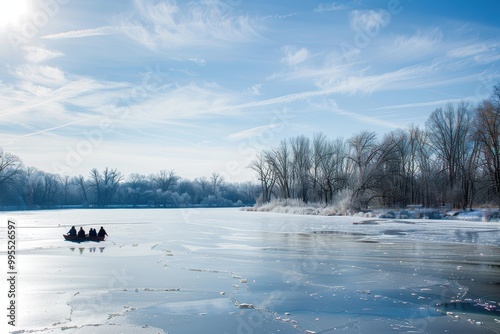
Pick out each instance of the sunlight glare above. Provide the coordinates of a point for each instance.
(11, 11)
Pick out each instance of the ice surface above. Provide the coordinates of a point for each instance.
(230, 271)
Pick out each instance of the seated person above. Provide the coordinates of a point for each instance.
(72, 231)
(81, 233)
(92, 232)
(102, 232)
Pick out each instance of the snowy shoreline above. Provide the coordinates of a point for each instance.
(415, 225)
(293, 206)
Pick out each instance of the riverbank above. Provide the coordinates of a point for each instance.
(294, 206)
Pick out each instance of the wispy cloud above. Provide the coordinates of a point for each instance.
(332, 106)
(369, 20)
(35, 54)
(255, 89)
(42, 131)
(367, 73)
(253, 132)
(329, 7)
(40, 96)
(398, 79)
(283, 99)
(294, 56)
(405, 46)
(168, 25)
(100, 31)
(484, 52)
(419, 40)
(192, 101)
(367, 119)
(40, 75)
(423, 104)
(199, 61)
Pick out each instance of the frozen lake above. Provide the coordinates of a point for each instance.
(230, 271)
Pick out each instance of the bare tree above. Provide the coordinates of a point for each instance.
(280, 161)
(427, 169)
(448, 134)
(80, 181)
(104, 185)
(301, 163)
(319, 154)
(401, 168)
(204, 185)
(412, 169)
(96, 186)
(265, 176)
(40, 188)
(393, 185)
(33, 186)
(217, 183)
(487, 133)
(111, 180)
(66, 184)
(329, 168)
(469, 172)
(364, 152)
(372, 162)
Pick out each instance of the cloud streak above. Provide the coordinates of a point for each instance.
(329, 7)
(99, 31)
(423, 104)
(35, 54)
(253, 132)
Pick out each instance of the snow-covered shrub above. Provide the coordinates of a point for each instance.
(470, 216)
(493, 216)
(342, 203)
(388, 215)
(212, 201)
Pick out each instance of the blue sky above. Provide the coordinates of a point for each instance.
(203, 86)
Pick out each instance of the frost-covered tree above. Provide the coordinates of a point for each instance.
(104, 185)
(10, 167)
(217, 184)
(166, 180)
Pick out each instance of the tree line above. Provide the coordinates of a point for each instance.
(453, 161)
(30, 188)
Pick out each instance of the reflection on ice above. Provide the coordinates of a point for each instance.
(472, 306)
(226, 271)
(91, 249)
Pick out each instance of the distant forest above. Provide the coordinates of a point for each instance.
(30, 188)
(453, 162)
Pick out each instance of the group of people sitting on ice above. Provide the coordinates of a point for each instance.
(92, 232)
